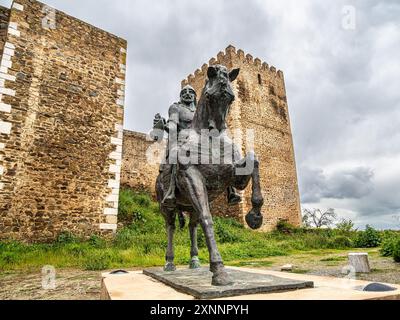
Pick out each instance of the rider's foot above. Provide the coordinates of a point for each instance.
(234, 199)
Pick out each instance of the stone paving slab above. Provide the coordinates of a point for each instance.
(198, 283)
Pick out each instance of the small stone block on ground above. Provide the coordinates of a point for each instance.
(360, 262)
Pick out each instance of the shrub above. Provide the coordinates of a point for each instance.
(341, 242)
(8, 258)
(370, 238)
(225, 236)
(225, 231)
(396, 251)
(285, 227)
(76, 249)
(345, 226)
(66, 237)
(388, 245)
(97, 242)
(125, 238)
(97, 261)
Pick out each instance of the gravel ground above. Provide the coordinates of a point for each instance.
(85, 285)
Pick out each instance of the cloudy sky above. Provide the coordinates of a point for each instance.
(342, 67)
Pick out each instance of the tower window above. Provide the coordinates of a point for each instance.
(259, 79)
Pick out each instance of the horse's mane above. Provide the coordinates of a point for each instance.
(201, 114)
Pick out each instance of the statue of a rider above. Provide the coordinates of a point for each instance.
(181, 115)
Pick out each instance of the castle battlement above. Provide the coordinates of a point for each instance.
(240, 56)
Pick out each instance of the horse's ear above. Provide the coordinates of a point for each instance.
(212, 72)
(234, 74)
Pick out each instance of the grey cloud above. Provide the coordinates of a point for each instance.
(353, 183)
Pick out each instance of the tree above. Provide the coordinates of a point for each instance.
(345, 225)
(318, 219)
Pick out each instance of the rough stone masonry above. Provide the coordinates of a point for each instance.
(62, 85)
(261, 106)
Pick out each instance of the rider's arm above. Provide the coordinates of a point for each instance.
(173, 121)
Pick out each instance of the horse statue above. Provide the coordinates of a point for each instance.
(200, 182)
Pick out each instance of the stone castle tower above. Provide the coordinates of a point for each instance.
(261, 106)
(61, 116)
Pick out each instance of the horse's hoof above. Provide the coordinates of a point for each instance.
(221, 279)
(169, 267)
(254, 219)
(195, 263)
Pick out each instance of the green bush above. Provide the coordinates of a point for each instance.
(7, 258)
(66, 237)
(396, 251)
(97, 261)
(370, 238)
(125, 238)
(225, 232)
(345, 226)
(285, 227)
(97, 242)
(77, 250)
(388, 244)
(341, 242)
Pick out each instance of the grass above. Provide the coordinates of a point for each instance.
(142, 243)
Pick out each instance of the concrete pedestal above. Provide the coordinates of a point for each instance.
(137, 286)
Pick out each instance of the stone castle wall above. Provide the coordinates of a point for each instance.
(61, 116)
(136, 172)
(4, 18)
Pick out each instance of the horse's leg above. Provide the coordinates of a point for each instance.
(170, 217)
(192, 182)
(254, 219)
(194, 250)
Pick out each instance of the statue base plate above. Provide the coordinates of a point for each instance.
(197, 283)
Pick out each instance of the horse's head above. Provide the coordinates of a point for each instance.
(218, 87)
(217, 96)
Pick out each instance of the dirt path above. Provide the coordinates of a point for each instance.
(70, 285)
(331, 263)
(85, 285)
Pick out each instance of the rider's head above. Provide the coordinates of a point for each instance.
(188, 95)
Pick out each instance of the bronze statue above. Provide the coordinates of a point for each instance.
(187, 183)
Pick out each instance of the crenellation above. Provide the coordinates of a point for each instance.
(257, 62)
(249, 58)
(184, 82)
(220, 56)
(204, 68)
(230, 51)
(191, 78)
(212, 61)
(198, 73)
(240, 54)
